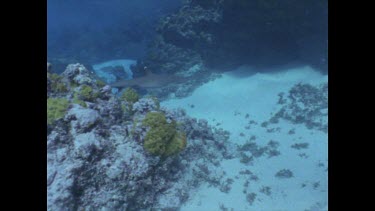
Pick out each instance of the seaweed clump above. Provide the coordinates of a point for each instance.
(86, 93)
(163, 139)
(130, 95)
(100, 83)
(56, 109)
(57, 84)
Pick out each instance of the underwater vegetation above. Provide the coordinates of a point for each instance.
(86, 93)
(56, 109)
(130, 95)
(100, 83)
(162, 139)
(57, 85)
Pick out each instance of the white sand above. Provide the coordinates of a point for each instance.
(257, 95)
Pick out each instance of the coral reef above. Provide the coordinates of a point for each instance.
(99, 160)
(210, 29)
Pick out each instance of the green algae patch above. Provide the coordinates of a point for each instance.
(154, 119)
(79, 102)
(57, 84)
(56, 109)
(100, 83)
(130, 96)
(86, 93)
(163, 139)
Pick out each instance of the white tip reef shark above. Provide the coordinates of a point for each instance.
(149, 81)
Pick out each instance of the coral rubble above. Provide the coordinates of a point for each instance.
(305, 104)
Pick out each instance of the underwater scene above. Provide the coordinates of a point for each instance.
(187, 105)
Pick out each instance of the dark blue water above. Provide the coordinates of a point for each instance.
(98, 30)
(265, 33)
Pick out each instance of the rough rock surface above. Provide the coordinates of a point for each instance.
(77, 73)
(96, 159)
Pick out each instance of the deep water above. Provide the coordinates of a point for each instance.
(187, 105)
(93, 31)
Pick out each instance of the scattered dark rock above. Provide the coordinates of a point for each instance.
(316, 185)
(281, 100)
(250, 197)
(299, 146)
(252, 176)
(320, 164)
(225, 187)
(246, 184)
(266, 190)
(264, 124)
(273, 153)
(305, 104)
(273, 144)
(246, 159)
(223, 208)
(272, 130)
(303, 155)
(246, 172)
(292, 131)
(252, 122)
(284, 173)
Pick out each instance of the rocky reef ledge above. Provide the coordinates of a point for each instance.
(124, 153)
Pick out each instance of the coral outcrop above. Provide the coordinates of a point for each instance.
(228, 33)
(100, 157)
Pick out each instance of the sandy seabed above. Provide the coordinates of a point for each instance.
(229, 102)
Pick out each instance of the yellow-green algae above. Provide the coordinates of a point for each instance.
(130, 95)
(56, 109)
(163, 139)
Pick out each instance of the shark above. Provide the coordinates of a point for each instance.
(149, 81)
